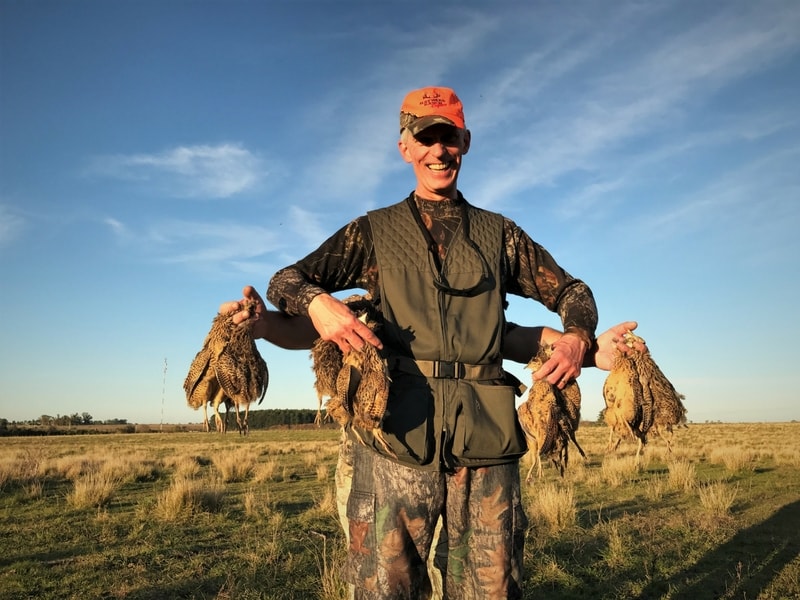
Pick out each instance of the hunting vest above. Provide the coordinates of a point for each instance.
(449, 404)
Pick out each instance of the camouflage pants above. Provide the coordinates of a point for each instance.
(392, 514)
(437, 561)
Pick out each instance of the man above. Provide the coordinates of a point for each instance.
(439, 270)
(520, 345)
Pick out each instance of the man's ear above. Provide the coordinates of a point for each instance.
(467, 140)
(403, 148)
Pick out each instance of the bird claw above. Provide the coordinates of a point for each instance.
(378, 435)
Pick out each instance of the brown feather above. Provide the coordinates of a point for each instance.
(228, 368)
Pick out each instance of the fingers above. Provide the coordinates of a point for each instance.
(557, 371)
(235, 306)
(250, 293)
(620, 330)
(227, 308)
(357, 337)
(565, 363)
(624, 327)
(335, 322)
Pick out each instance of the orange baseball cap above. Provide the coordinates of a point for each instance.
(428, 106)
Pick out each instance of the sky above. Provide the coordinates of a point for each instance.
(158, 156)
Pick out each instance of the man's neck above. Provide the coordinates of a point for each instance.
(428, 197)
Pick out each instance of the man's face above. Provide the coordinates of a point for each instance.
(435, 154)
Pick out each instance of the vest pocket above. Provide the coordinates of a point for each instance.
(487, 427)
(408, 422)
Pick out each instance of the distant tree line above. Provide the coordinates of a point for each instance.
(276, 417)
(83, 423)
(83, 418)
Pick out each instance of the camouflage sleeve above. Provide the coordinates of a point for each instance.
(340, 263)
(532, 272)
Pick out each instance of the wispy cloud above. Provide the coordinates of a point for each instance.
(591, 111)
(364, 118)
(201, 244)
(310, 226)
(116, 226)
(11, 225)
(201, 171)
(756, 201)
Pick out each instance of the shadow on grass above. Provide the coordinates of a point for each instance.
(743, 567)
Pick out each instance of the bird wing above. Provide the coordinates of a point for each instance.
(199, 383)
(370, 400)
(570, 398)
(667, 406)
(260, 377)
(326, 362)
(231, 379)
(543, 419)
(622, 390)
(346, 386)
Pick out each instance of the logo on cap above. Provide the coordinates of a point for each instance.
(431, 105)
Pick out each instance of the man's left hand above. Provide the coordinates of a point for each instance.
(565, 362)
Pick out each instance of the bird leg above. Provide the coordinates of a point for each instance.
(244, 428)
(218, 398)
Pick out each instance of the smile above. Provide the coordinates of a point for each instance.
(439, 166)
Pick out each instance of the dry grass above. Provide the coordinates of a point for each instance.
(265, 471)
(617, 470)
(552, 507)
(235, 465)
(718, 498)
(682, 475)
(257, 502)
(734, 458)
(617, 551)
(94, 489)
(212, 516)
(330, 564)
(186, 497)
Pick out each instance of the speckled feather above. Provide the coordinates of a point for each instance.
(228, 366)
(549, 418)
(639, 397)
(357, 383)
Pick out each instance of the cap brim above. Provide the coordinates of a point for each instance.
(424, 122)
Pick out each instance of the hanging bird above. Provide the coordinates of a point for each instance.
(326, 363)
(356, 383)
(639, 397)
(549, 418)
(228, 368)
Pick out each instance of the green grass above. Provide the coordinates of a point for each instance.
(196, 515)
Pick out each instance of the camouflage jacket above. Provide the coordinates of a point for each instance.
(347, 260)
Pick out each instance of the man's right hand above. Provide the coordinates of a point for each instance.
(335, 322)
(241, 314)
(610, 343)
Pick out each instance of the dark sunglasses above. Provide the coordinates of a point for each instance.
(451, 137)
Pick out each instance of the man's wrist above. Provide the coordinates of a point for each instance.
(581, 334)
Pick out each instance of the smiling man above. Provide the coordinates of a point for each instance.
(438, 269)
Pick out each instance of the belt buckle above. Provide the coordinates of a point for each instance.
(449, 370)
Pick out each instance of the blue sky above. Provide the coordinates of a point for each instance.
(157, 156)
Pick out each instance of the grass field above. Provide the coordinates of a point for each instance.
(205, 515)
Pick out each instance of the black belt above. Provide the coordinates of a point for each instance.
(446, 369)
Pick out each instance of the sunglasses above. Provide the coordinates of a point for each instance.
(450, 137)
